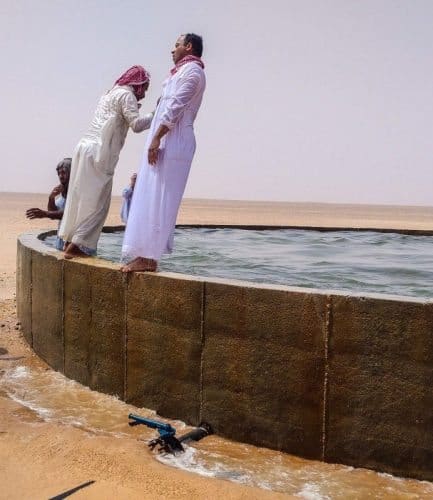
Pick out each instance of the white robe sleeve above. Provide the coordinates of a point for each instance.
(131, 114)
(186, 88)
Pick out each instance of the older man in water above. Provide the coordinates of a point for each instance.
(56, 200)
(168, 155)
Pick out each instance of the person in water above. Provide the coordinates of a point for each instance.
(56, 199)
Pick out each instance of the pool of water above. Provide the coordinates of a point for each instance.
(354, 261)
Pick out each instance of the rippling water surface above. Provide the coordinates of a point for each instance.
(343, 260)
(49, 396)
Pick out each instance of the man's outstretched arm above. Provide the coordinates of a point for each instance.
(37, 213)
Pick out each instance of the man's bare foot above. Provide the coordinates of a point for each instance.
(73, 251)
(129, 263)
(140, 264)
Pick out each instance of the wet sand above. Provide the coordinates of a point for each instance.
(39, 459)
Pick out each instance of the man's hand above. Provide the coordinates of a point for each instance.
(153, 151)
(36, 213)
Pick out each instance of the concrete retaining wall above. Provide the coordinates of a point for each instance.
(330, 376)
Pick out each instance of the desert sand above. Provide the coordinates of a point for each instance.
(39, 459)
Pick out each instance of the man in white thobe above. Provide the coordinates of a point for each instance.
(95, 159)
(168, 155)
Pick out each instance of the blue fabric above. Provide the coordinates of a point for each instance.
(127, 197)
(59, 243)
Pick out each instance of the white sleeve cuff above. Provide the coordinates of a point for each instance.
(169, 125)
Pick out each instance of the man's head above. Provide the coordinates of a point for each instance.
(137, 78)
(63, 171)
(140, 90)
(187, 45)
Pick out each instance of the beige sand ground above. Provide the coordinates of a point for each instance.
(40, 460)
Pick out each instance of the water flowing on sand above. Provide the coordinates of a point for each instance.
(45, 395)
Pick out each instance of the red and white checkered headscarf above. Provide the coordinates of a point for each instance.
(135, 75)
(187, 59)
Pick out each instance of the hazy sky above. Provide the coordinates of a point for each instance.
(325, 100)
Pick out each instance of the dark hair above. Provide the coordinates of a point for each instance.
(196, 42)
(65, 163)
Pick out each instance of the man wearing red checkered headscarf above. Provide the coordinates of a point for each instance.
(136, 77)
(95, 159)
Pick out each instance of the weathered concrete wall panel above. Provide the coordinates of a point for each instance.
(77, 320)
(95, 326)
(24, 290)
(107, 332)
(47, 308)
(380, 402)
(164, 345)
(263, 366)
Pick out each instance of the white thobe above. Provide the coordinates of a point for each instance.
(159, 188)
(93, 164)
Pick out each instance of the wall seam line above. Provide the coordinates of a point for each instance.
(125, 335)
(328, 328)
(63, 315)
(31, 297)
(90, 369)
(202, 341)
